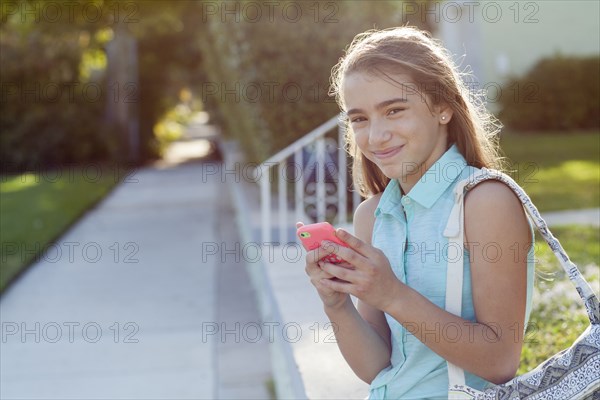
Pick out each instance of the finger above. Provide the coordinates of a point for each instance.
(315, 271)
(317, 254)
(353, 242)
(317, 282)
(337, 286)
(322, 272)
(312, 258)
(312, 269)
(349, 255)
(346, 265)
(346, 274)
(324, 275)
(324, 290)
(326, 248)
(299, 224)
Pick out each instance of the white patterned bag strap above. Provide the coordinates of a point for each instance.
(454, 276)
(455, 233)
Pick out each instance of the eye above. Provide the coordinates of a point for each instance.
(395, 111)
(357, 119)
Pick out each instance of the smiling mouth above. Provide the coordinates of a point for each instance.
(387, 153)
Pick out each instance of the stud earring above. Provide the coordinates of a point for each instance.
(443, 117)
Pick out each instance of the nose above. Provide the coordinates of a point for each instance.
(378, 133)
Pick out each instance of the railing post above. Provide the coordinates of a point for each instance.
(320, 178)
(299, 186)
(265, 205)
(282, 194)
(342, 186)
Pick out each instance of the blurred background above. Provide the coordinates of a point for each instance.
(93, 90)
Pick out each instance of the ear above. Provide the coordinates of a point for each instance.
(444, 113)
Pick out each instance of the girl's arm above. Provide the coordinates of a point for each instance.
(495, 224)
(362, 333)
(358, 336)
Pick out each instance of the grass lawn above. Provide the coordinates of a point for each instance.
(36, 208)
(558, 316)
(558, 171)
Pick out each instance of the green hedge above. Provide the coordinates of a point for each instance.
(50, 116)
(270, 72)
(41, 128)
(268, 80)
(559, 93)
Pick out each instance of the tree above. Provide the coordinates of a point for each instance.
(269, 68)
(53, 108)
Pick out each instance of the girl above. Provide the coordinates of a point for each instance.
(414, 132)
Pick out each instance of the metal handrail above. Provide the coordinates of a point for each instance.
(303, 141)
(321, 197)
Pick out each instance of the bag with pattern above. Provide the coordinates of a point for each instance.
(573, 373)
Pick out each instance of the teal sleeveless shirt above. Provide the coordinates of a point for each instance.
(409, 230)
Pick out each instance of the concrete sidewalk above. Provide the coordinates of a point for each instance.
(138, 310)
(587, 216)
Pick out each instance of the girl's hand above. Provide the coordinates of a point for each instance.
(330, 297)
(369, 276)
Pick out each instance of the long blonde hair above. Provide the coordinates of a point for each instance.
(414, 52)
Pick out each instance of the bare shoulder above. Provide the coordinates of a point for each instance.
(492, 195)
(492, 205)
(364, 218)
(366, 209)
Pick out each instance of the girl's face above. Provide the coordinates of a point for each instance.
(393, 125)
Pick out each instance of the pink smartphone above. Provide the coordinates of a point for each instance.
(312, 235)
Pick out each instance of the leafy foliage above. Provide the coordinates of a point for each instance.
(559, 93)
(261, 69)
(54, 85)
(45, 104)
(268, 81)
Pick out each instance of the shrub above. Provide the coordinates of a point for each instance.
(559, 93)
(49, 116)
(268, 82)
(40, 129)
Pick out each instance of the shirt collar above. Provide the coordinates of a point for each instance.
(438, 178)
(389, 199)
(430, 187)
